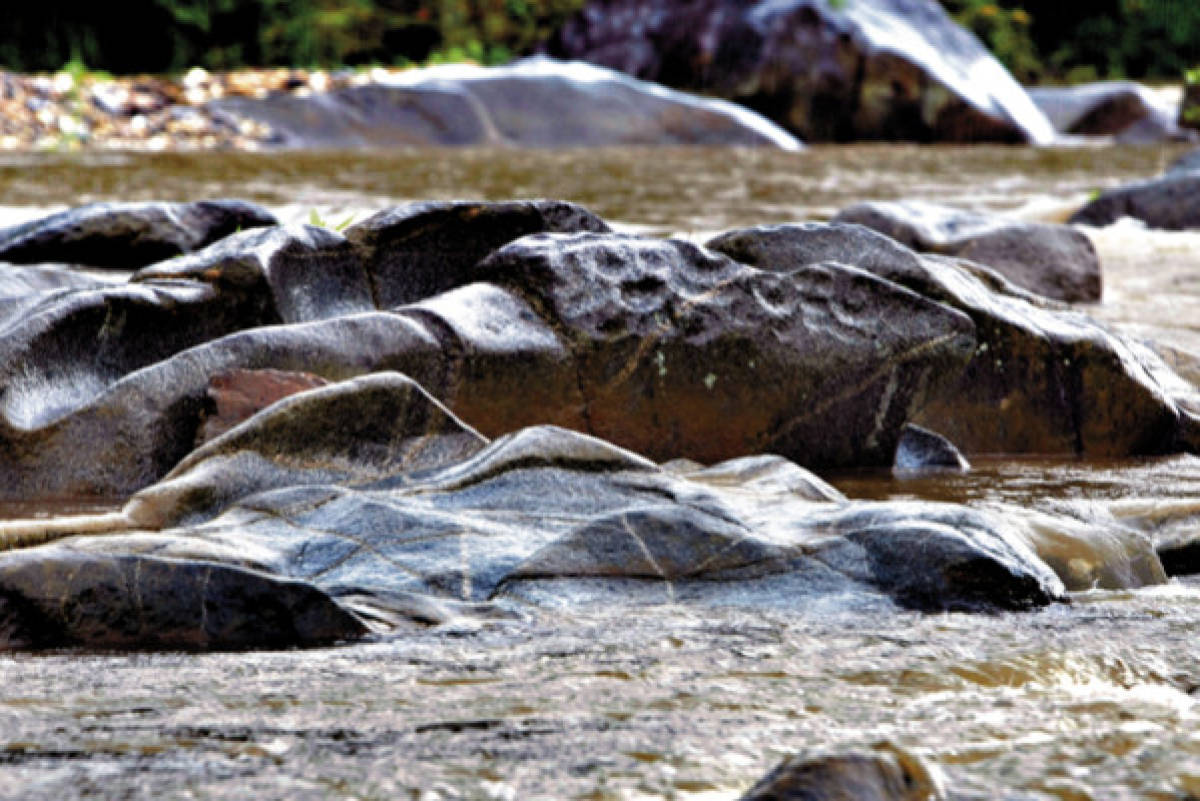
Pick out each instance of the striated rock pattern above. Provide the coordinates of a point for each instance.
(868, 69)
(127, 235)
(1056, 261)
(401, 514)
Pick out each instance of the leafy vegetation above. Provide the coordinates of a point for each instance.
(1069, 40)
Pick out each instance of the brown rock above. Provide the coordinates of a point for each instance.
(237, 395)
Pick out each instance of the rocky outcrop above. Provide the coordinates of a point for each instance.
(1129, 112)
(237, 395)
(1170, 202)
(127, 235)
(869, 69)
(401, 509)
(1056, 261)
(659, 346)
(533, 103)
(1042, 380)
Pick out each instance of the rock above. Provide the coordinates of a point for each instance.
(127, 235)
(888, 774)
(55, 597)
(1188, 162)
(300, 273)
(237, 395)
(1128, 111)
(1056, 261)
(684, 352)
(869, 69)
(1170, 202)
(532, 103)
(922, 451)
(417, 250)
(401, 501)
(1043, 380)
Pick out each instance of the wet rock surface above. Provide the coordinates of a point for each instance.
(1128, 111)
(533, 103)
(877, 69)
(1042, 379)
(128, 235)
(402, 509)
(921, 450)
(1168, 202)
(885, 775)
(1056, 261)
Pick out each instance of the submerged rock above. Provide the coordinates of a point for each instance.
(1056, 261)
(1170, 202)
(127, 235)
(1042, 380)
(869, 69)
(532, 103)
(1128, 111)
(922, 451)
(401, 502)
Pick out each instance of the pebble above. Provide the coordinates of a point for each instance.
(65, 111)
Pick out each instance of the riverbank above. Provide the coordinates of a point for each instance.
(77, 110)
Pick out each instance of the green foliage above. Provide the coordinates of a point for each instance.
(314, 218)
(1006, 32)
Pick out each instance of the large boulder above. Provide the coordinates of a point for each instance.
(533, 103)
(1129, 112)
(1056, 261)
(1170, 202)
(867, 69)
(1042, 380)
(400, 514)
(659, 346)
(127, 235)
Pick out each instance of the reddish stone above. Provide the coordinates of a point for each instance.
(238, 394)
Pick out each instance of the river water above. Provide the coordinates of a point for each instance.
(1096, 699)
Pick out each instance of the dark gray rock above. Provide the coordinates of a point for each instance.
(886, 774)
(1170, 202)
(127, 235)
(301, 273)
(1056, 261)
(868, 69)
(922, 451)
(1042, 380)
(533, 103)
(418, 250)
(684, 352)
(1128, 111)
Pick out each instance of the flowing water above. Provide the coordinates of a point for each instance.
(1096, 699)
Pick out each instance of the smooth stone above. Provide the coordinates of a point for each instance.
(300, 273)
(1055, 261)
(419, 250)
(1043, 379)
(868, 69)
(127, 235)
(922, 451)
(531, 103)
(1130, 112)
(1170, 202)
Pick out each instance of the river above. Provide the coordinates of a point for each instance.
(1097, 699)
